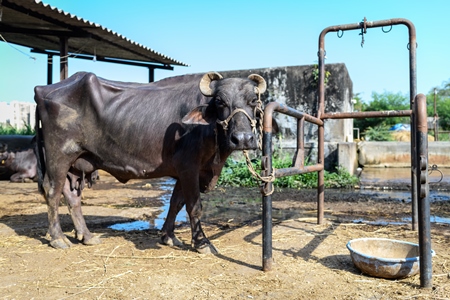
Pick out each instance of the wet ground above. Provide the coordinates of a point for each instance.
(244, 205)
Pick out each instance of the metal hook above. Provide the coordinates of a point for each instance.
(340, 35)
(386, 31)
(435, 168)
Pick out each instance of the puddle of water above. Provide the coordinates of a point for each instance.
(158, 222)
(405, 221)
(136, 225)
(380, 222)
(433, 219)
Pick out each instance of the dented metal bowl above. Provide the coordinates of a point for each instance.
(385, 258)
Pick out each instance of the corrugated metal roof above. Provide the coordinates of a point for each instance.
(37, 25)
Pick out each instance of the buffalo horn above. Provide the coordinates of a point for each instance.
(206, 81)
(260, 81)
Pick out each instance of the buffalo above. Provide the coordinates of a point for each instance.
(19, 162)
(184, 127)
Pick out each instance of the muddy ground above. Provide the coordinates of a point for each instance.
(310, 261)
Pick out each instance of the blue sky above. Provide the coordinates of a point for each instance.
(239, 34)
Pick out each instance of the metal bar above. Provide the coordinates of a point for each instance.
(279, 107)
(423, 187)
(64, 58)
(412, 45)
(412, 94)
(49, 69)
(267, 201)
(266, 164)
(151, 74)
(106, 59)
(320, 175)
(36, 31)
(297, 170)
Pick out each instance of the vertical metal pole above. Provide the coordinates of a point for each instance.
(49, 69)
(423, 187)
(267, 203)
(151, 74)
(321, 130)
(412, 45)
(64, 58)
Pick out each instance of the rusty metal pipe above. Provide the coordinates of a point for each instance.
(267, 203)
(412, 45)
(295, 171)
(423, 187)
(279, 107)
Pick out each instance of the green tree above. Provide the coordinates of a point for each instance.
(383, 102)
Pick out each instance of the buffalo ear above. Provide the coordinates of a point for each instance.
(201, 115)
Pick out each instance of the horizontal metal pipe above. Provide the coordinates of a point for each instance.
(366, 24)
(294, 170)
(278, 107)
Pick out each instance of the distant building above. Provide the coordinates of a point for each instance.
(17, 114)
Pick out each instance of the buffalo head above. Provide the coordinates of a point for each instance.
(235, 107)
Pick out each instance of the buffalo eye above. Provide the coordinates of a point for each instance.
(253, 102)
(220, 102)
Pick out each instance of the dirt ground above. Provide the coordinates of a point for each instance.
(310, 261)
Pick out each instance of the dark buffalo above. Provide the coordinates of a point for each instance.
(20, 162)
(167, 128)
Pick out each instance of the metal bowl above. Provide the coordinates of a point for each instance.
(385, 258)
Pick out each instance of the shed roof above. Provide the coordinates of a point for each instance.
(39, 26)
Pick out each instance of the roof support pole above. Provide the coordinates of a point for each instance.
(64, 58)
(151, 74)
(49, 69)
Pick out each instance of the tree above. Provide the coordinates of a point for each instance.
(383, 102)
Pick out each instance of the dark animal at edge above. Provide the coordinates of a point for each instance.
(184, 127)
(21, 162)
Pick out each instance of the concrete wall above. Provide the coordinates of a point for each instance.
(397, 154)
(296, 87)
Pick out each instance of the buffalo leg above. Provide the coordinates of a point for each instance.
(191, 193)
(17, 177)
(52, 192)
(73, 198)
(176, 204)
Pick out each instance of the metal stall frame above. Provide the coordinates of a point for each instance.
(419, 148)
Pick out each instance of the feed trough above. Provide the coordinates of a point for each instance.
(385, 258)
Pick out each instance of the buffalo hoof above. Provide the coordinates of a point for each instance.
(207, 249)
(94, 240)
(172, 242)
(61, 243)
